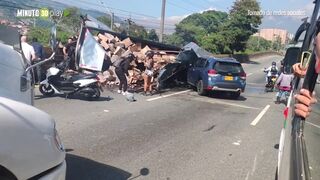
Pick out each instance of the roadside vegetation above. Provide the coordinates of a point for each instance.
(216, 31)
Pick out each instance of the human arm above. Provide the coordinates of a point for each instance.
(304, 100)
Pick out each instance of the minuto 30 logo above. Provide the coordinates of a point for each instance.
(40, 13)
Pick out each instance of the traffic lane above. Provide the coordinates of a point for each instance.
(257, 65)
(255, 69)
(119, 137)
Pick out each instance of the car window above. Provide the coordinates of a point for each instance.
(226, 67)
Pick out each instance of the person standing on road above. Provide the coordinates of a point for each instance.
(148, 73)
(121, 71)
(69, 52)
(28, 50)
(39, 52)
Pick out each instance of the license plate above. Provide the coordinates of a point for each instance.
(228, 78)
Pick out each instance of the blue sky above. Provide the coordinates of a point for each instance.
(147, 12)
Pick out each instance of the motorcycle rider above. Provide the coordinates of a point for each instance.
(284, 83)
(272, 70)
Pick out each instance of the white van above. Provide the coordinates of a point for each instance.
(30, 146)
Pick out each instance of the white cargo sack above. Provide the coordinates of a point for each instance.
(91, 54)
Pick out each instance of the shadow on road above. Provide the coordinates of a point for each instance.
(226, 96)
(80, 168)
(79, 97)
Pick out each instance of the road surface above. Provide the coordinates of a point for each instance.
(178, 135)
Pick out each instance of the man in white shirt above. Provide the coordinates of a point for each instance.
(27, 50)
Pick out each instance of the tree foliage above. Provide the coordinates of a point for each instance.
(256, 43)
(152, 35)
(219, 32)
(71, 21)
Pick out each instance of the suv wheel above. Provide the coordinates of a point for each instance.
(235, 95)
(200, 89)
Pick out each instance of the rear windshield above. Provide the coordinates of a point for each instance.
(226, 67)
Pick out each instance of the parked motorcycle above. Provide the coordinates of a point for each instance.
(57, 82)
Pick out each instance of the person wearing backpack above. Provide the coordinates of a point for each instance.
(121, 70)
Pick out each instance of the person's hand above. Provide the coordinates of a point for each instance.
(303, 103)
(298, 70)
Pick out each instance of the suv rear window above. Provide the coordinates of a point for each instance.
(227, 67)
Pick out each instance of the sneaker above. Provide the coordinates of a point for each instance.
(124, 93)
(119, 91)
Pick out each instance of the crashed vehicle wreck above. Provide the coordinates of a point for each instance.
(98, 47)
(176, 73)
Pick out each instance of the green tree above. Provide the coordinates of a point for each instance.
(105, 20)
(256, 43)
(71, 21)
(173, 39)
(152, 35)
(276, 45)
(241, 25)
(194, 27)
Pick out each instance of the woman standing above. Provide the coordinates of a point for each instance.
(148, 74)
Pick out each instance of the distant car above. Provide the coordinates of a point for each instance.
(30, 146)
(217, 74)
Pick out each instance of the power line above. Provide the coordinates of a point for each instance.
(178, 6)
(131, 12)
(199, 6)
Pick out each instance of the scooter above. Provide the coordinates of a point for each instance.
(269, 87)
(57, 82)
(283, 91)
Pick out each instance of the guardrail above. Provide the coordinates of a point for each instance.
(242, 58)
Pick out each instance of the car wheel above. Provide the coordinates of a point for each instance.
(47, 91)
(235, 95)
(200, 89)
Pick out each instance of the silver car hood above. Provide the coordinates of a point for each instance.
(27, 145)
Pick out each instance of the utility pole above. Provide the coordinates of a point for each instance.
(163, 10)
(111, 14)
(112, 21)
(129, 23)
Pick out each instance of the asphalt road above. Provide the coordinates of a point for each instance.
(178, 135)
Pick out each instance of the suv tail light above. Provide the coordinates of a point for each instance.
(243, 75)
(212, 72)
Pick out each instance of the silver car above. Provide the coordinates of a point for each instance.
(30, 147)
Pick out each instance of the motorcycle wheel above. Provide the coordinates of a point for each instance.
(47, 91)
(97, 94)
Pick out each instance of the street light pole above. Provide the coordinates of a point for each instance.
(162, 20)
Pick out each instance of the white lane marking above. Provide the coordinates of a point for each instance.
(254, 165)
(247, 177)
(224, 103)
(257, 119)
(249, 74)
(168, 95)
(237, 143)
(106, 110)
(312, 124)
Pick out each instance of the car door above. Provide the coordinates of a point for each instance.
(192, 73)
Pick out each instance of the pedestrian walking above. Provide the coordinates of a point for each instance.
(121, 70)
